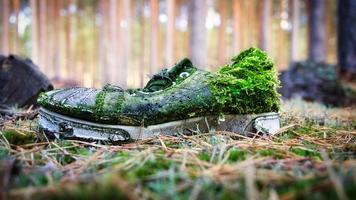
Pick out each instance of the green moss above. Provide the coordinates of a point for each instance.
(149, 168)
(237, 154)
(205, 156)
(266, 152)
(19, 137)
(306, 152)
(43, 99)
(99, 101)
(247, 85)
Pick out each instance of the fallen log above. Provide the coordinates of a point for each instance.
(20, 81)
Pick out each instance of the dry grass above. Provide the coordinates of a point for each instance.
(312, 156)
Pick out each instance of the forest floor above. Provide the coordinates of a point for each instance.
(313, 156)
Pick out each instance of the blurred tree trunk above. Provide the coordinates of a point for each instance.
(104, 42)
(181, 38)
(250, 22)
(243, 24)
(34, 33)
(16, 4)
(281, 52)
(170, 38)
(56, 39)
(154, 36)
(142, 44)
(222, 33)
(74, 70)
(66, 48)
(265, 26)
(347, 38)
(316, 30)
(43, 35)
(125, 27)
(61, 41)
(295, 30)
(197, 38)
(236, 14)
(330, 29)
(246, 15)
(50, 31)
(113, 42)
(5, 26)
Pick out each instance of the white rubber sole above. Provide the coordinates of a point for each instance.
(62, 126)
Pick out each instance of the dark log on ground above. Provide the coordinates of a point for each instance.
(20, 81)
(315, 82)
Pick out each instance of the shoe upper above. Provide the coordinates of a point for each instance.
(247, 85)
(178, 93)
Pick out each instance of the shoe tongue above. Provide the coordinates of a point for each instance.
(166, 77)
(112, 88)
(180, 66)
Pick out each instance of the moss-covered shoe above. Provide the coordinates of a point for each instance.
(240, 97)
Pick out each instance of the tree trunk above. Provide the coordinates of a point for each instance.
(56, 42)
(62, 41)
(243, 24)
(72, 67)
(265, 24)
(113, 43)
(222, 33)
(295, 30)
(154, 36)
(170, 38)
(16, 4)
(347, 38)
(34, 33)
(66, 56)
(330, 31)
(104, 36)
(43, 35)
(142, 45)
(249, 25)
(317, 30)
(282, 41)
(5, 26)
(125, 41)
(236, 14)
(197, 38)
(50, 44)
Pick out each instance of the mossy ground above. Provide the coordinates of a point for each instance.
(312, 157)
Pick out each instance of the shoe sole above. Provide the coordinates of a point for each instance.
(65, 127)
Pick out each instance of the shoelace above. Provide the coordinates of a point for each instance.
(159, 81)
(166, 78)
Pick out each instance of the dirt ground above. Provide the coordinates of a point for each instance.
(311, 157)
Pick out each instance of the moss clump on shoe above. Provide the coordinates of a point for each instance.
(247, 85)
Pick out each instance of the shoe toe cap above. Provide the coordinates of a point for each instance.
(69, 100)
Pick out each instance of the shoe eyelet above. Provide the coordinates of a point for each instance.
(184, 74)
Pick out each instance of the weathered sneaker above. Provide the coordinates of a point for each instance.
(241, 97)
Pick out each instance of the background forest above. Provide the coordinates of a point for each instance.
(90, 43)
